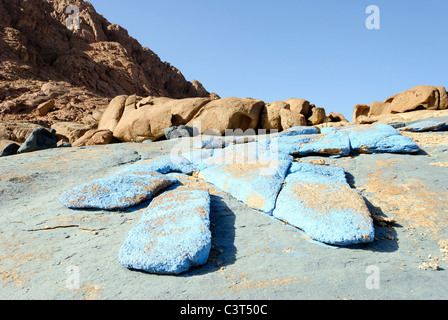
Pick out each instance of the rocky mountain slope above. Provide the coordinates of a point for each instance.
(42, 60)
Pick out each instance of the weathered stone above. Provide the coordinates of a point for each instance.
(229, 113)
(70, 131)
(10, 149)
(423, 126)
(112, 115)
(319, 201)
(180, 132)
(94, 137)
(299, 106)
(443, 100)
(318, 116)
(45, 107)
(379, 138)
(119, 191)
(163, 164)
(270, 118)
(255, 183)
(290, 119)
(172, 236)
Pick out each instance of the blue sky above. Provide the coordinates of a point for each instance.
(318, 50)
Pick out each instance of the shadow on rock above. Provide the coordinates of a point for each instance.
(223, 252)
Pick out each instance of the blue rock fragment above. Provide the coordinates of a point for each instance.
(379, 138)
(173, 234)
(319, 201)
(163, 164)
(256, 183)
(424, 126)
(116, 192)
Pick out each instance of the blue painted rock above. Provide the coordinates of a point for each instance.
(337, 143)
(319, 201)
(423, 126)
(379, 138)
(173, 234)
(295, 131)
(39, 139)
(256, 183)
(162, 164)
(116, 192)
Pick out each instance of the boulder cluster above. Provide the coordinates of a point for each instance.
(265, 173)
(418, 98)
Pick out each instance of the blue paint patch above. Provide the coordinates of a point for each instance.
(324, 206)
(173, 234)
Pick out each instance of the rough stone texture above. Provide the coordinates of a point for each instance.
(253, 256)
(334, 143)
(418, 98)
(323, 206)
(116, 192)
(44, 108)
(443, 98)
(243, 178)
(70, 131)
(228, 113)
(39, 139)
(163, 164)
(94, 137)
(300, 130)
(10, 149)
(112, 115)
(40, 59)
(172, 236)
(299, 106)
(180, 132)
(270, 118)
(422, 126)
(290, 119)
(148, 118)
(318, 116)
(379, 138)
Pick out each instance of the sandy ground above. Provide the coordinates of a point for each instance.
(51, 252)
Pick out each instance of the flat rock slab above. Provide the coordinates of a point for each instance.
(172, 236)
(379, 138)
(317, 200)
(163, 164)
(256, 183)
(116, 192)
(423, 126)
(335, 143)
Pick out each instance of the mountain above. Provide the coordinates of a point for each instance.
(41, 60)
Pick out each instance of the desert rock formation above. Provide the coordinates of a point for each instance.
(52, 74)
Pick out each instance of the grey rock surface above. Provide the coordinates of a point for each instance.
(49, 251)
